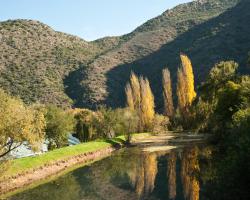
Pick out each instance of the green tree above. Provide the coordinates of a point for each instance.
(127, 123)
(106, 121)
(85, 125)
(18, 124)
(219, 97)
(59, 124)
(218, 76)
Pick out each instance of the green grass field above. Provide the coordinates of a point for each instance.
(21, 165)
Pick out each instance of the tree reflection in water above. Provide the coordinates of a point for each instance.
(189, 171)
(128, 174)
(171, 174)
(143, 178)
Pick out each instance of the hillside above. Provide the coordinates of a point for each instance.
(40, 64)
(34, 59)
(142, 51)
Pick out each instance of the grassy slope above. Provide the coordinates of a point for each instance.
(21, 165)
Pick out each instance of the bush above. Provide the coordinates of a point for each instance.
(85, 129)
(59, 124)
(160, 124)
(106, 121)
(127, 123)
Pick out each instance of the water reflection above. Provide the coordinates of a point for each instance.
(189, 172)
(143, 176)
(128, 174)
(171, 174)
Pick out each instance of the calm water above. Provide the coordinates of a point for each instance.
(132, 174)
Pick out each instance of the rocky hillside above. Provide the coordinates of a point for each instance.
(38, 63)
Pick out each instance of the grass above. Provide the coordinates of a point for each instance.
(22, 165)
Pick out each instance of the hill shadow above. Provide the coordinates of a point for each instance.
(75, 90)
(226, 37)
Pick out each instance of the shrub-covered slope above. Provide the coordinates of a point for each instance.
(157, 44)
(40, 64)
(34, 60)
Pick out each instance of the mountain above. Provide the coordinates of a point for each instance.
(34, 60)
(40, 64)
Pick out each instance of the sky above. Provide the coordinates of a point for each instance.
(88, 19)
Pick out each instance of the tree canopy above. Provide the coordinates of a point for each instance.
(19, 123)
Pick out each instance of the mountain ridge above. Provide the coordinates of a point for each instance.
(40, 64)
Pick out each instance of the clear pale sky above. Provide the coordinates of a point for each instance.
(88, 19)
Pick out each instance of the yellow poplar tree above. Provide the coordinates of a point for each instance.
(181, 90)
(185, 85)
(135, 86)
(189, 77)
(167, 93)
(133, 93)
(147, 104)
(129, 95)
(141, 100)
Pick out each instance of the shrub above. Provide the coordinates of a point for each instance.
(127, 123)
(160, 124)
(59, 124)
(85, 129)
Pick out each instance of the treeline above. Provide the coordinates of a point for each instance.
(32, 125)
(140, 99)
(223, 108)
(222, 103)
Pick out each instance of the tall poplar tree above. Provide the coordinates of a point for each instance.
(141, 100)
(129, 96)
(147, 104)
(136, 91)
(185, 85)
(167, 93)
(189, 78)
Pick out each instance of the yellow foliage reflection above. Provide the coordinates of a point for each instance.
(143, 176)
(189, 169)
(171, 174)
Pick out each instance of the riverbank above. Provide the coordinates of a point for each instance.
(25, 171)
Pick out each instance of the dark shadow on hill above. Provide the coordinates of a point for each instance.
(226, 37)
(74, 88)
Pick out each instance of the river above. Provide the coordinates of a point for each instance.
(150, 171)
